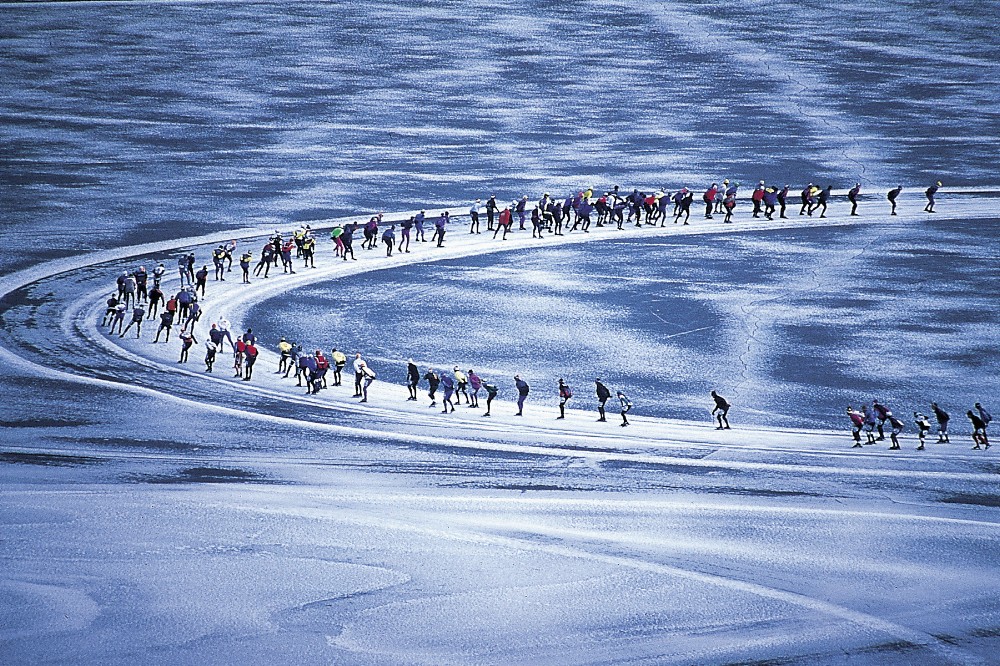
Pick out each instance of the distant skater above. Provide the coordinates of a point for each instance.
(448, 382)
(412, 379)
(603, 394)
(138, 314)
(722, 407)
(852, 196)
(892, 196)
(389, 238)
(187, 341)
(978, 430)
(475, 383)
(359, 374)
(983, 414)
(368, 376)
(857, 423)
(897, 427)
(929, 193)
(882, 413)
(626, 407)
(474, 217)
(404, 234)
(942, 418)
(432, 385)
(565, 393)
(249, 358)
(491, 392)
(461, 386)
(923, 426)
(870, 423)
(522, 393)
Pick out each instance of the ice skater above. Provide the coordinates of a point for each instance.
(404, 234)
(109, 311)
(166, 323)
(897, 427)
(603, 394)
(412, 378)
(757, 197)
(389, 238)
(461, 386)
(522, 393)
(929, 193)
(626, 407)
(359, 374)
(210, 351)
(187, 341)
(923, 426)
(852, 196)
(368, 376)
(565, 393)
(245, 260)
(138, 314)
(474, 217)
(857, 423)
(978, 430)
(870, 422)
(118, 319)
(449, 389)
(722, 407)
(339, 361)
(491, 392)
(432, 385)
(892, 196)
(347, 238)
(684, 207)
(882, 413)
(984, 415)
(475, 383)
(249, 357)
(942, 418)
(783, 201)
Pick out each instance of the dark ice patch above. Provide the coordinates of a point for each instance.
(47, 459)
(973, 499)
(44, 423)
(203, 475)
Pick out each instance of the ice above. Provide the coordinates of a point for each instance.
(152, 513)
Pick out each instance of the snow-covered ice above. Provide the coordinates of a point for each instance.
(151, 513)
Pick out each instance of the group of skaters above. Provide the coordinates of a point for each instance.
(558, 216)
(872, 419)
(140, 293)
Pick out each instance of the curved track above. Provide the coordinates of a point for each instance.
(50, 328)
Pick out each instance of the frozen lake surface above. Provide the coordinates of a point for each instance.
(791, 326)
(150, 513)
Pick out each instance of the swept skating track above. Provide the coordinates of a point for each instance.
(50, 315)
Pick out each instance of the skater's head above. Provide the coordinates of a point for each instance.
(357, 354)
(714, 394)
(456, 368)
(933, 405)
(969, 413)
(850, 408)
